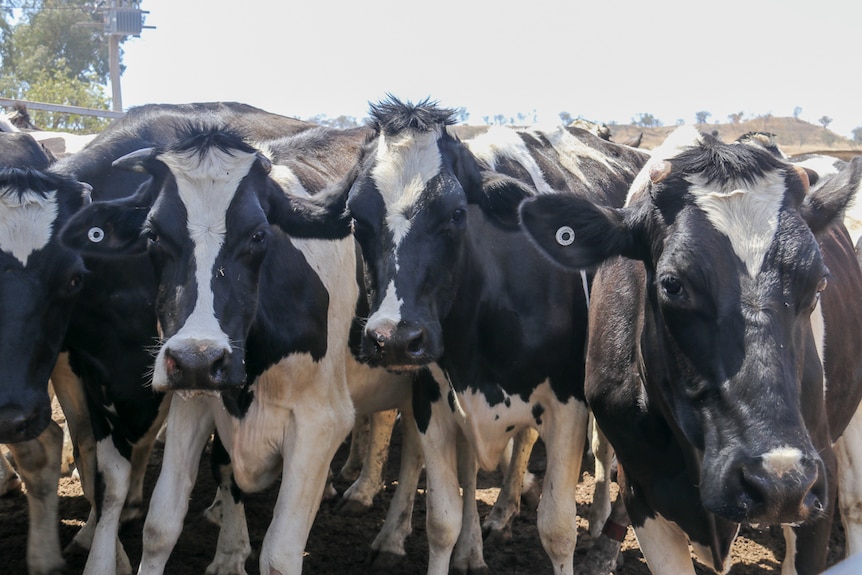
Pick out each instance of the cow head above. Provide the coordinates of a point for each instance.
(411, 197)
(39, 282)
(734, 274)
(204, 218)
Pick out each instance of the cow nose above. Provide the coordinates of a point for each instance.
(782, 487)
(406, 344)
(197, 366)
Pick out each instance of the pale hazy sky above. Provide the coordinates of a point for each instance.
(603, 60)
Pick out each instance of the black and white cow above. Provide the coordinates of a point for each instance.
(38, 284)
(456, 287)
(254, 326)
(724, 371)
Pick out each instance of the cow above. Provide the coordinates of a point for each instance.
(723, 370)
(61, 302)
(456, 290)
(38, 284)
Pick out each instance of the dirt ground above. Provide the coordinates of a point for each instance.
(339, 545)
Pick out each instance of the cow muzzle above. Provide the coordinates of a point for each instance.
(194, 364)
(784, 485)
(407, 346)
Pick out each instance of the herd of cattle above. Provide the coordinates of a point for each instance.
(218, 269)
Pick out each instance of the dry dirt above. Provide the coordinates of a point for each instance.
(338, 544)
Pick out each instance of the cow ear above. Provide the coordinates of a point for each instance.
(500, 197)
(110, 228)
(832, 197)
(574, 232)
(322, 216)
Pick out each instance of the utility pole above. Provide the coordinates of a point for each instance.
(123, 18)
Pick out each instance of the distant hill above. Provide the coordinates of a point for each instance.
(794, 136)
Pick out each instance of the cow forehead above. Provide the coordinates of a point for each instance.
(404, 165)
(745, 212)
(26, 222)
(206, 185)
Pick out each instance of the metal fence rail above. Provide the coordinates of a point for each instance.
(62, 109)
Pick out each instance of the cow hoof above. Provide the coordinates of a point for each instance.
(493, 536)
(602, 558)
(384, 561)
(352, 508)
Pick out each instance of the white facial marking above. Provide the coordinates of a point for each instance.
(746, 214)
(25, 222)
(782, 460)
(206, 186)
(404, 167)
(388, 315)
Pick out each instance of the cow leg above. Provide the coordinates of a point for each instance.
(848, 450)
(359, 497)
(114, 472)
(141, 452)
(234, 546)
(305, 469)
(189, 426)
(359, 439)
(73, 400)
(564, 433)
(387, 549)
(665, 547)
(38, 462)
(467, 556)
(517, 480)
(600, 509)
(443, 498)
(604, 553)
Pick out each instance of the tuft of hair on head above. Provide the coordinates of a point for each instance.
(392, 116)
(202, 137)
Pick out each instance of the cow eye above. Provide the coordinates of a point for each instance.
(152, 236)
(458, 215)
(671, 286)
(75, 283)
(259, 237)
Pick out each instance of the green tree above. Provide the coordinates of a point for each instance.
(736, 118)
(57, 53)
(566, 118)
(857, 134)
(825, 121)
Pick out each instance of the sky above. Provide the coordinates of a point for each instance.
(603, 60)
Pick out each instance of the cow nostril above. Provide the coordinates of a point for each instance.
(171, 365)
(416, 343)
(219, 367)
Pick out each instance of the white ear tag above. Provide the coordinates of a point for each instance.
(96, 234)
(565, 236)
